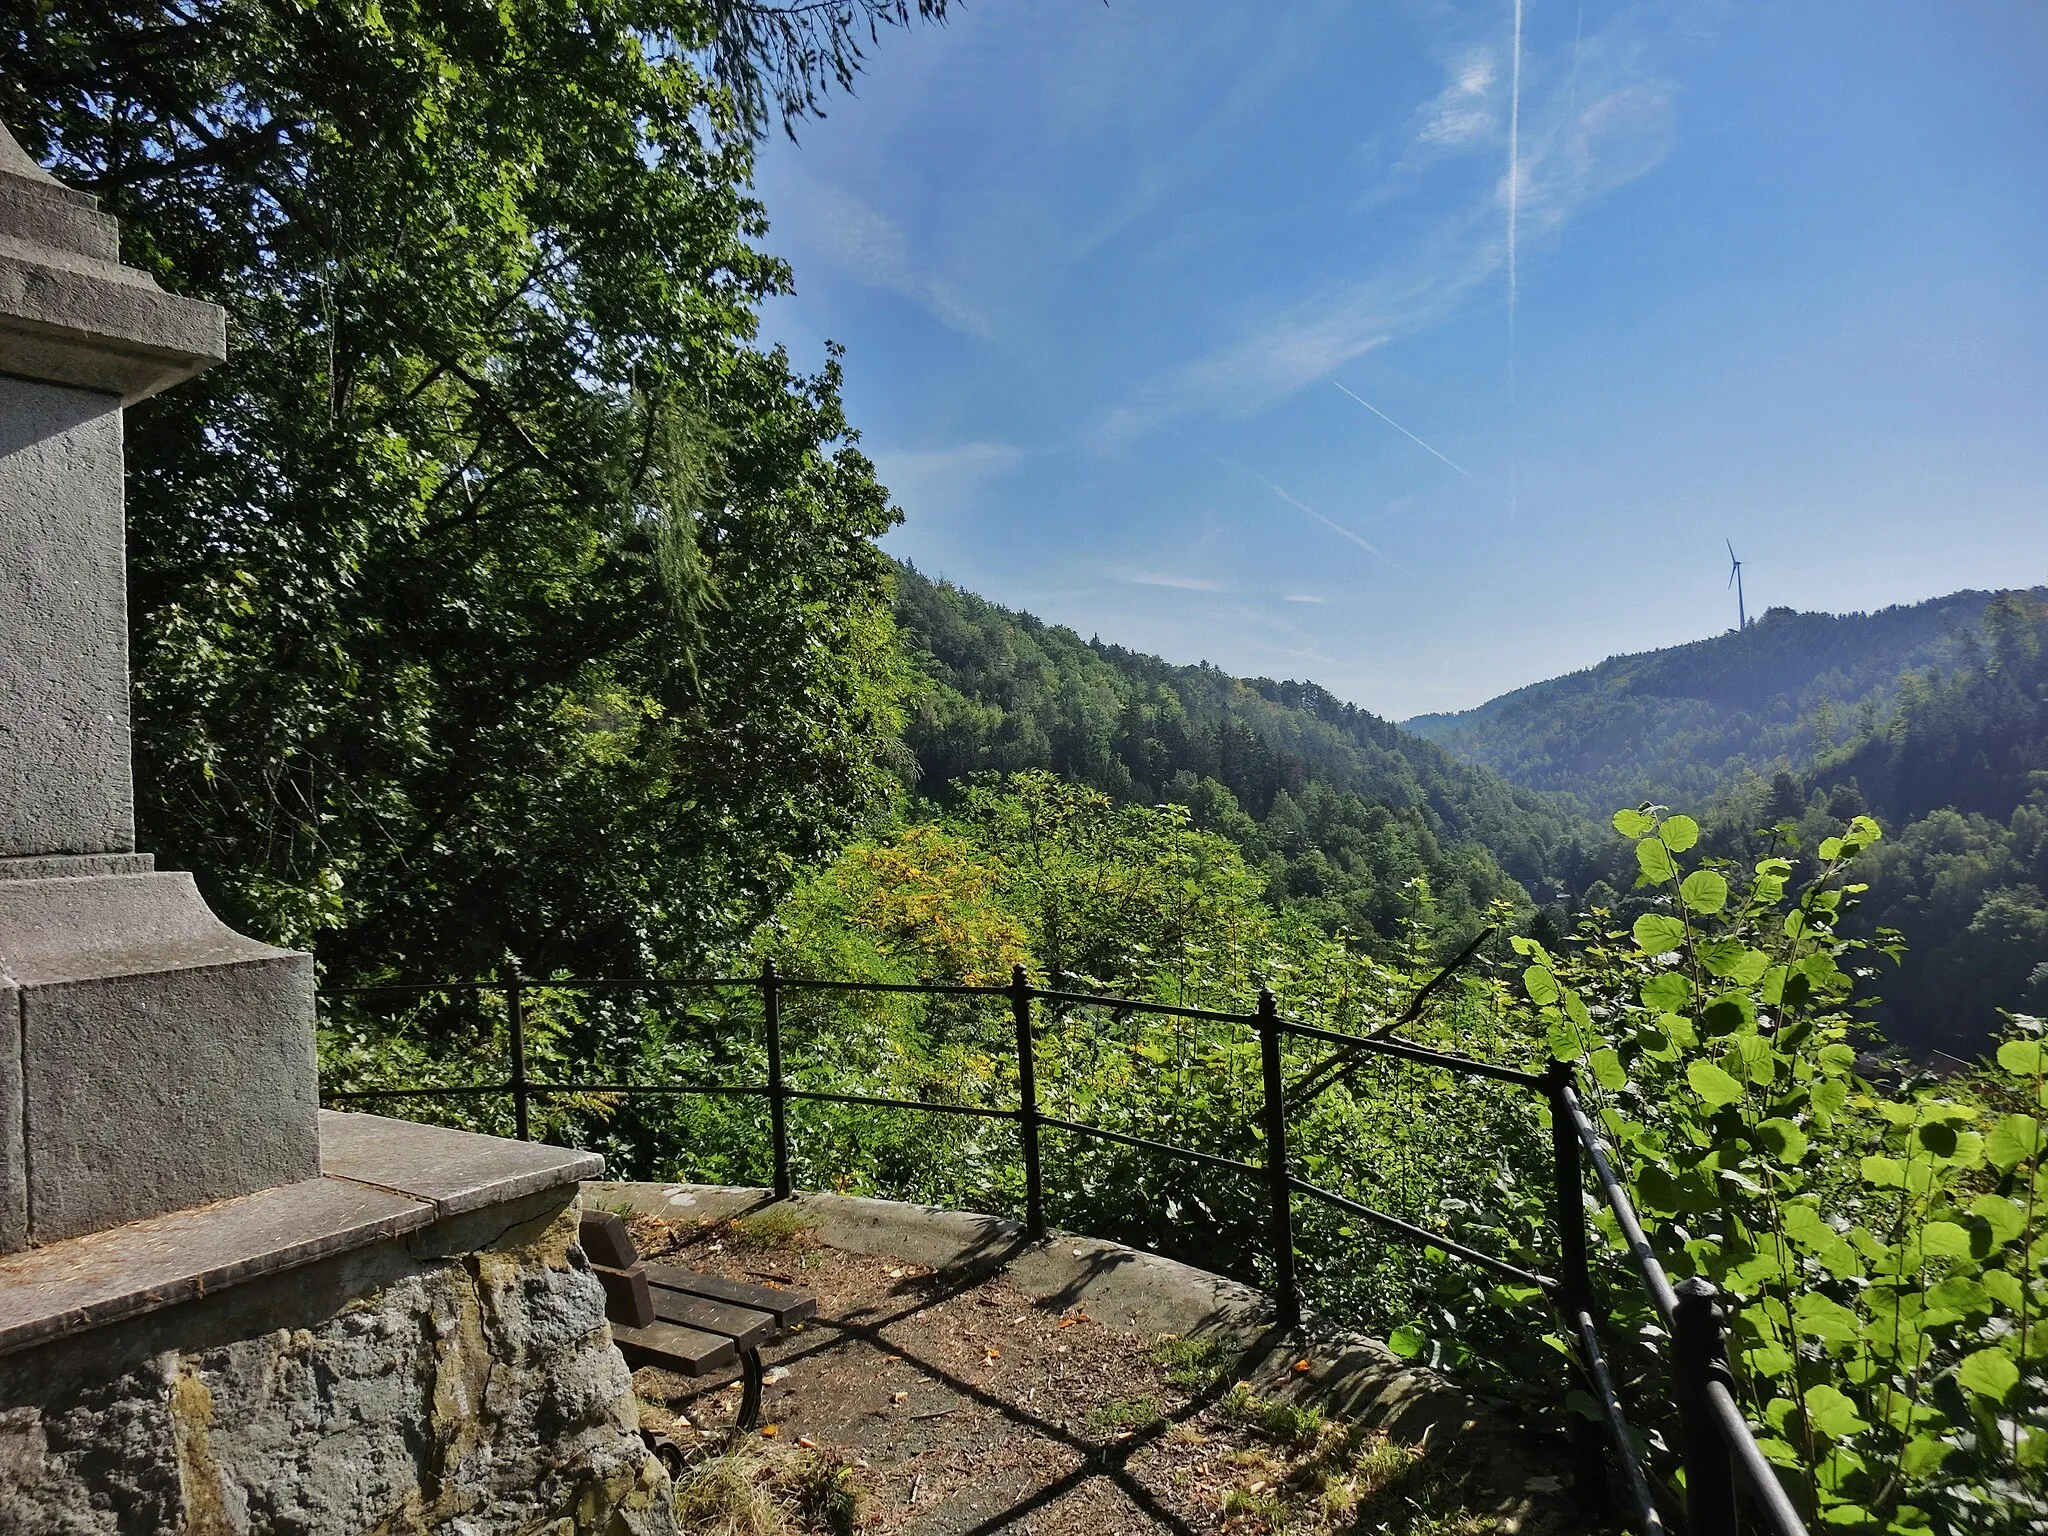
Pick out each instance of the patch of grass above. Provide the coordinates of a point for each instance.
(1290, 1424)
(776, 1227)
(1282, 1422)
(1241, 1405)
(1264, 1508)
(719, 1497)
(1124, 1413)
(1193, 1365)
(822, 1489)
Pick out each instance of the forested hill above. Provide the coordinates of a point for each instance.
(1340, 807)
(1675, 725)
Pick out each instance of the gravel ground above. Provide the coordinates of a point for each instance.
(960, 1405)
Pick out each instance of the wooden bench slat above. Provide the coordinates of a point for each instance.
(743, 1325)
(786, 1307)
(672, 1347)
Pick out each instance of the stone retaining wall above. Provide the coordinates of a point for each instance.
(476, 1392)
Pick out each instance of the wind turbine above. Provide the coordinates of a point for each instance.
(1735, 581)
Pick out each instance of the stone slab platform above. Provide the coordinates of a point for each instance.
(381, 1179)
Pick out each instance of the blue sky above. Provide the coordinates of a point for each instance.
(1119, 283)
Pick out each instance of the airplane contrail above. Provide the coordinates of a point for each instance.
(1383, 416)
(1514, 278)
(1301, 506)
(1514, 165)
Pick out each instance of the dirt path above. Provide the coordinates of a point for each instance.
(959, 1404)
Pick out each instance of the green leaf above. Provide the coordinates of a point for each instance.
(1704, 891)
(1750, 1059)
(1575, 1009)
(1713, 1084)
(2005, 1218)
(1655, 860)
(2023, 1058)
(1633, 824)
(1851, 1516)
(1733, 960)
(1821, 1317)
(1608, 1070)
(2014, 1140)
(1805, 1225)
(1945, 1240)
(1884, 1172)
(1924, 1455)
(1769, 1360)
(1831, 1412)
(1667, 992)
(1989, 1373)
(1656, 934)
(1679, 833)
(1566, 1044)
(2003, 1288)
(1407, 1342)
(1830, 849)
(1540, 984)
(1961, 1295)
(1785, 1140)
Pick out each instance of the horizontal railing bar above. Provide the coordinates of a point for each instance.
(1132, 1005)
(1617, 1422)
(1467, 1064)
(942, 1109)
(1654, 1276)
(657, 1088)
(743, 1089)
(1423, 1234)
(411, 986)
(1780, 1518)
(1078, 1129)
(816, 984)
(540, 984)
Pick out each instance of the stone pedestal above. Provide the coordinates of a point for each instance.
(150, 1057)
(412, 1343)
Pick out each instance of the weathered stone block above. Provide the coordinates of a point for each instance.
(477, 1395)
(166, 1060)
(64, 783)
(13, 1174)
(70, 313)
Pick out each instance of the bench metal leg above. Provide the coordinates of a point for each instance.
(750, 1394)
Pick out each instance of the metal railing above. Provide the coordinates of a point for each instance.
(1719, 1454)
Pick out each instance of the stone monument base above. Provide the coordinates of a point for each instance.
(411, 1343)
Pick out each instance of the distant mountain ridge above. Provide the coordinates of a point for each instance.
(1341, 808)
(1676, 725)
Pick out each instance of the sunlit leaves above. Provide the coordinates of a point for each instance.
(1989, 1373)
(1655, 860)
(1656, 934)
(1704, 891)
(1713, 1084)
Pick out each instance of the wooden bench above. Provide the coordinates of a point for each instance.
(679, 1320)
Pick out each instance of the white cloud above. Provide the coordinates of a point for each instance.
(1179, 583)
(1590, 125)
(1303, 597)
(935, 482)
(869, 246)
(1466, 111)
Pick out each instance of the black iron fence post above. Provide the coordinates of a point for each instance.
(1575, 1279)
(1027, 1103)
(778, 1091)
(1699, 1355)
(1285, 1296)
(515, 1009)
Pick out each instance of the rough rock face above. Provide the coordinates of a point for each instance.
(475, 1396)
